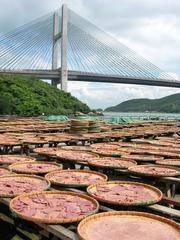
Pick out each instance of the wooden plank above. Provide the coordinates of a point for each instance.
(156, 207)
(172, 201)
(57, 230)
(60, 231)
(165, 210)
(170, 180)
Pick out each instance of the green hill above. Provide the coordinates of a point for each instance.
(31, 97)
(169, 104)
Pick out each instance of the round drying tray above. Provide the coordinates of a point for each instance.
(75, 178)
(9, 159)
(108, 152)
(46, 151)
(77, 148)
(155, 170)
(4, 171)
(104, 146)
(169, 162)
(127, 226)
(125, 193)
(54, 207)
(16, 184)
(112, 163)
(142, 157)
(35, 167)
(76, 156)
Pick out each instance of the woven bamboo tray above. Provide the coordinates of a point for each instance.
(169, 162)
(60, 220)
(4, 171)
(97, 163)
(13, 168)
(77, 122)
(77, 148)
(20, 176)
(6, 157)
(153, 190)
(142, 158)
(9, 143)
(105, 146)
(134, 170)
(73, 158)
(47, 151)
(48, 177)
(108, 153)
(85, 226)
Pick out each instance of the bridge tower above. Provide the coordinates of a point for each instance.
(63, 72)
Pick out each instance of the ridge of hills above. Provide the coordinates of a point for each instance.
(168, 104)
(26, 96)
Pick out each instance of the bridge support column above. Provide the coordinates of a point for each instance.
(55, 43)
(55, 46)
(64, 71)
(54, 82)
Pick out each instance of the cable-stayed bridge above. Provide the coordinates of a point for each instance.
(63, 46)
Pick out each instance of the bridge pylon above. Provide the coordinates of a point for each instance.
(63, 74)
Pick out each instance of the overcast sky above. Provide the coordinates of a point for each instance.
(149, 27)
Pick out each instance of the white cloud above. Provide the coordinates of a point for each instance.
(149, 27)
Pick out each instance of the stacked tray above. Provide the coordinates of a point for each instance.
(94, 127)
(79, 127)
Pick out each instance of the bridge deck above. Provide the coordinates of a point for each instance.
(89, 77)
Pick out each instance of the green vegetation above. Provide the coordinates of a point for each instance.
(31, 97)
(169, 104)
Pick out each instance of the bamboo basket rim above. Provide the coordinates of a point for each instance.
(160, 162)
(95, 145)
(139, 159)
(7, 169)
(24, 175)
(46, 153)
(67, 148)
(85, 222)
(142, 203)
(36, 141)
(162, 153)
(105, 177)
(92, 163)
(73, 158)
(132, 170)
(119, 154)
(33, 162)
(60, 220)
